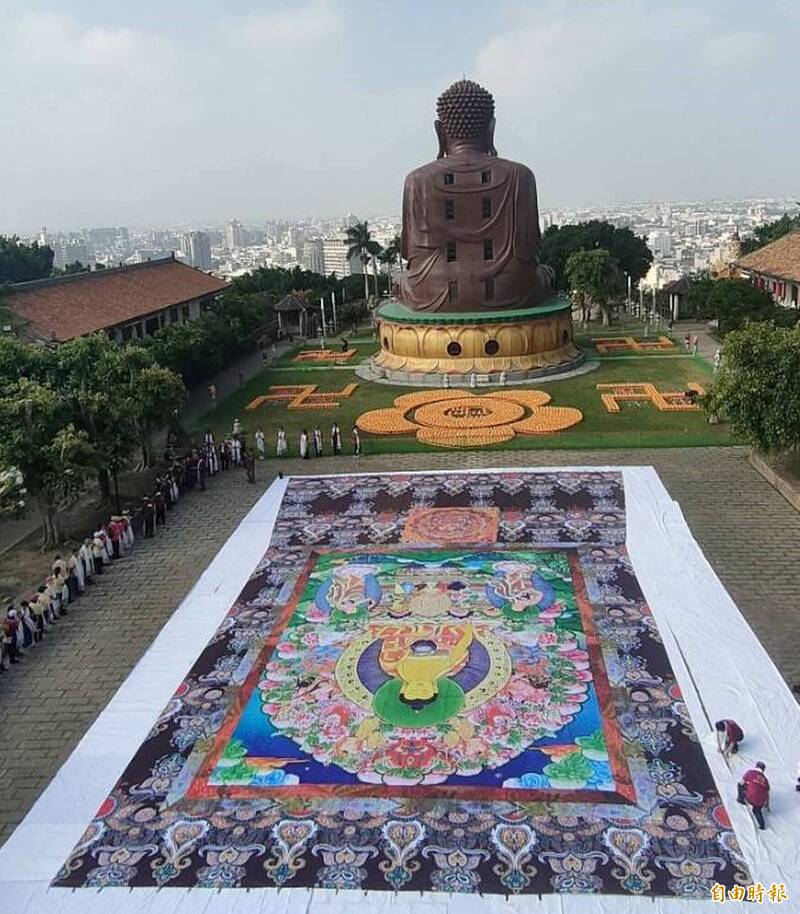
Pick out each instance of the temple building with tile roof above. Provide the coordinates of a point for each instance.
(128, 302)
(776, 268)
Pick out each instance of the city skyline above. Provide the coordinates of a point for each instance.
(186, 115)
(685, 238)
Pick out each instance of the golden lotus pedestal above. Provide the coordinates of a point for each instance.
(474, 348)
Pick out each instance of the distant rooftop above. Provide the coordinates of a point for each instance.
(61, 308)
(780, 258)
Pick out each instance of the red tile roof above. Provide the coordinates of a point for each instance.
(780, 258)
(64, 307)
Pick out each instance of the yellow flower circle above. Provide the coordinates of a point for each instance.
(466, 437)
(531, 398)
(385, 422)
(468, 412)
(460, 419)
(549, 419)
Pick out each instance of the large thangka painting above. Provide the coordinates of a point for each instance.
(439, 682)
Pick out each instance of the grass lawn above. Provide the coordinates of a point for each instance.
(637, 425)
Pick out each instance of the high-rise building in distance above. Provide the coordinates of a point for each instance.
(235, 235)
(197, 248)
(334, 252)
(314, 256)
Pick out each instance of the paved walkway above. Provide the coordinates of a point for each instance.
(748, 532)
(706, 344)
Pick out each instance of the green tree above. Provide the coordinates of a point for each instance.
(629, 250)
(361, 244)
(700, 288)
(20, 262)
(735, 302)
(771, 231)
(594, 279)
(390, 256)
(91, 376)
(37, 437)
(758, 386)
(157, 394)
(13, 494)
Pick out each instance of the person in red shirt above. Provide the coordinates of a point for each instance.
(114, 529)
(753, 789)
(729, 735)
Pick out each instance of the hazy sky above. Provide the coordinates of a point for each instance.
(173, 111)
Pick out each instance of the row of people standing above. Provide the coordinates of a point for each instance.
(309, 444)
(25, 625)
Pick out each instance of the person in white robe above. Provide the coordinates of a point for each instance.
(107, 546)
(237, 450)
(356, 442)
(336, 439)
(261, 444)
(317, 441)
(87, 559)
(304, 444)
(75, 567)
(208, 438)
(237, 427)
(98, 552)
(281, 446)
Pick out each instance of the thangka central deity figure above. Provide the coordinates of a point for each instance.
(471, 219)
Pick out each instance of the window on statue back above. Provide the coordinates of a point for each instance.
(451, 251)
(488, 288)
(488, 249)
(487, 208)
(449, 209)
(452, 290)
(449, 178)
(486, 177)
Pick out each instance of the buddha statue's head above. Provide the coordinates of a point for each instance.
(465, 119)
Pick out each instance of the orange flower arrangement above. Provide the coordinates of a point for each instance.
(460, 419)
(605, 344)
(671, 401)
(324, 355)
(303, 396)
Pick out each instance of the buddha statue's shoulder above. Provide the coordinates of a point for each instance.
(467, 164)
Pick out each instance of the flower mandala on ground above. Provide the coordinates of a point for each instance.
(460, 419)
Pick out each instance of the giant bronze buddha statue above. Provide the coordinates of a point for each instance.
(470, 219)
(475, 308)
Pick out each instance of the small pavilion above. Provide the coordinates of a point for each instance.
(293, 315)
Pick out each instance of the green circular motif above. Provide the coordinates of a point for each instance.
(390, 707)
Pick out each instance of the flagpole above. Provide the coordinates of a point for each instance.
(322, 304)
(335, 322)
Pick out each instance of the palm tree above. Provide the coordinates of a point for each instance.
(361, 244)
(388, 258)
(396, 244)
(376, 254)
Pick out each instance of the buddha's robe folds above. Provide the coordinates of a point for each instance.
(436, 213)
